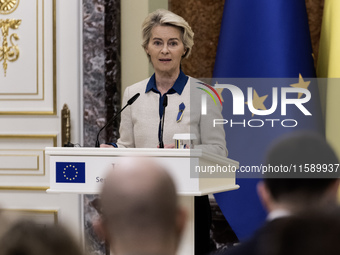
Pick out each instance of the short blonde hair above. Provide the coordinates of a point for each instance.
(167, 18)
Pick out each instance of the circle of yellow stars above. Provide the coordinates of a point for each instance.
(70, 167)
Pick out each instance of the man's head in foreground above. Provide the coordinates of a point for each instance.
(308, 155)
(140, 209)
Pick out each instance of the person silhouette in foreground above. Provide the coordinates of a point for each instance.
(30, 238)
(288, 194)
(314, 232)
(140, 211)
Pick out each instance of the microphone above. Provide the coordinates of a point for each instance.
(129, 102)
(165, 104)
(132, 100)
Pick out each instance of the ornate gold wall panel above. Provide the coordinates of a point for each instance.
(40, 216)
(9, 53)
(8, 6)
(28, 69)
(22, 160)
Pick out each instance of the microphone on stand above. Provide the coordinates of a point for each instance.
(165, 104)
(129, 102)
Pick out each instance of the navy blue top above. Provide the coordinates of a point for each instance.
(176, 88)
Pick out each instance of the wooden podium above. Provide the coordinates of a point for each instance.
(195, 173)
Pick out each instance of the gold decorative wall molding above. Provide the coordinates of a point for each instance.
(40, 216)
(65, 125)
(32, 92)
(30, 136)
(13, 159)
(23, 145)
(34, 188)
(9, 53)
(8, 6)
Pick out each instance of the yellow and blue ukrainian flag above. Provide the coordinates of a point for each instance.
(262, 39)
(329, 67)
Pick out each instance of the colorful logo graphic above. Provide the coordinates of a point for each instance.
(204, 96)
(209, 93)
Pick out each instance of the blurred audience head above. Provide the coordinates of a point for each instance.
(140, 209)
(311, 233)
(29, 238)
(4, 224)
(310, 182)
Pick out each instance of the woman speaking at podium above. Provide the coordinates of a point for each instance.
(170, 94)
(167, 39)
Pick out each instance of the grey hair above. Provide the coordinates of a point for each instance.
(167, 18)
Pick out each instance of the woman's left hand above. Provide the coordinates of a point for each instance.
(168, 146)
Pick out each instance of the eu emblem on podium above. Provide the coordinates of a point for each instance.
(70, 172)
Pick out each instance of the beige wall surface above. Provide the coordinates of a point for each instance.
(135, 65)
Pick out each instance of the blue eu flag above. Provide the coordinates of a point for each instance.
(261, 39)
(70, 172)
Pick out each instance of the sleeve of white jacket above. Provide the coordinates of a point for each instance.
(212, 138)
(126, 139)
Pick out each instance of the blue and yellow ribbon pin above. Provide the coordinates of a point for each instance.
(180, 112)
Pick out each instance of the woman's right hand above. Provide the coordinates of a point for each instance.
(168, 146)
(103, 145)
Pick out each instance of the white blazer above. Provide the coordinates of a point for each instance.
(140, 121)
